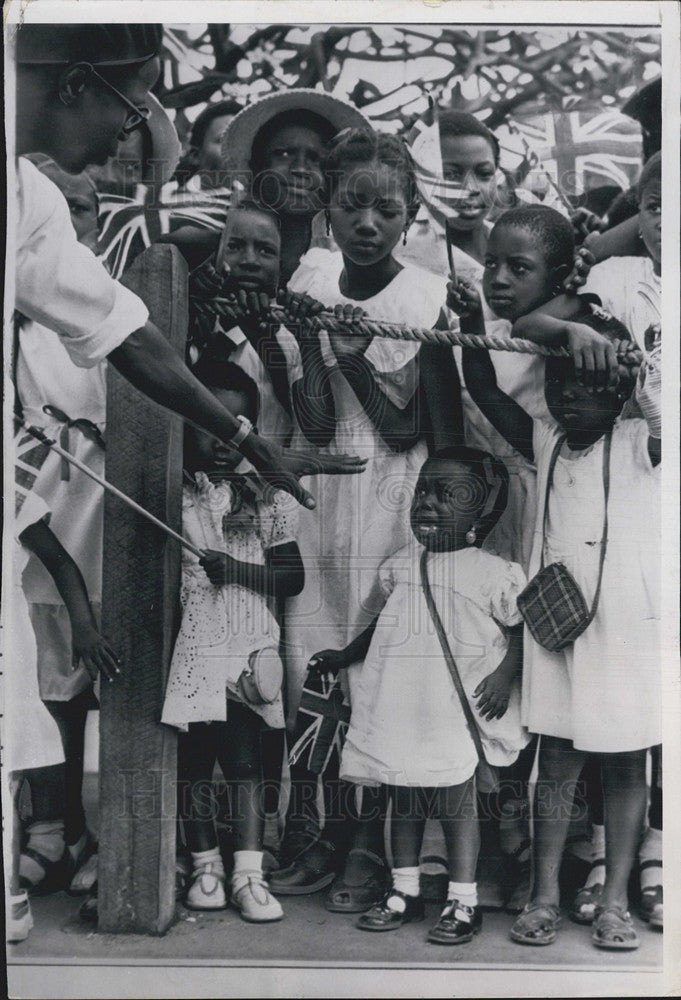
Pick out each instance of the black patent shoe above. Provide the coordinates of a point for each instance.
(457, 924)
(382, 917)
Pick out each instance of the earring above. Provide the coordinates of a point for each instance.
(65, 100)
(328, 223)
(404, 238)
(471, 537)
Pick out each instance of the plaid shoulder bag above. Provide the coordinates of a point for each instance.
(552, 604)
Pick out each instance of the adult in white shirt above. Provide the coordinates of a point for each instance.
(79, 89)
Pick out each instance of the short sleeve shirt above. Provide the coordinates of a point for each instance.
(60, 283)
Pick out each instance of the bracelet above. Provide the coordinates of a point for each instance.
(243, 432)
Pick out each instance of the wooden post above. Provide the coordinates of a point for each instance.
(138, 767)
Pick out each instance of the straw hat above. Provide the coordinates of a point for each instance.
(237, 139)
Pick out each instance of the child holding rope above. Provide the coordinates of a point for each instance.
(372, 201)
(601, 693)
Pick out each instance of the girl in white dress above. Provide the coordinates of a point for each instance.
(408, 731)
(602, 694)
(250, 560)
(372, 202)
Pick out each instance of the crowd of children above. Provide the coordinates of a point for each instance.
(409, 581)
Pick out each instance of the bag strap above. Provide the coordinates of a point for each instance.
(449, 659)
(606, 490)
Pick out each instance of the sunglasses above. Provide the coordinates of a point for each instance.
(136, 114)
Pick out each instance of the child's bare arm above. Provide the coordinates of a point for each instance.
(440, 389)
(551, 324)
(494, 691)
(480, 378)
(87, 642)
(312, 395)
(330, 661)
(282, 575)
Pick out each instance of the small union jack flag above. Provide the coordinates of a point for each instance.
(321, 722)
(130, 225)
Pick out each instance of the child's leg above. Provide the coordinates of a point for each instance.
(273, 745)
(45, 864)
(240, 756)
(18, 917)
(624, 795)
(363, 879)
(402, 903)
(650, 851)
(71, 717)
(559, 769)
(197, 752)
(589, 896)
(457, 811)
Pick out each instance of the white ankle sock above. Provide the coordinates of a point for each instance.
(212, 855)
(76, 848)
(465, 892)
(246, 863)
(405, 880)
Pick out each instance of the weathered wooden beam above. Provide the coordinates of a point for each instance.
(138, 768)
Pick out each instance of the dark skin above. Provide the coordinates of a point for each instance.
(283, 574)
(294, 186)
(582, 410)
(250, 252)
(67, 113)
(88, 645)
(368, 213)
(440, 519)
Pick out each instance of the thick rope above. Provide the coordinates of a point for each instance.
(206, 302)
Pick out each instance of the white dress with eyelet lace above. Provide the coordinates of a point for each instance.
(221, 626)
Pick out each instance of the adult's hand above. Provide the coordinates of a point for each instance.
(283, 467)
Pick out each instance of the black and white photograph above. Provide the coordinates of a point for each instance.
(340, 594)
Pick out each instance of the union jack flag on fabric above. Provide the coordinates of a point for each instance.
(130, 225)
(29, 458)
(321, 723)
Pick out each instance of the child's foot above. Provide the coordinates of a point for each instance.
(651, 907)
(589, 896)
(396, 908)
(537, 924)
(207, 887)
(19, 919)
(46, 864)
(252, 898)
(84, 855)
(613, 929)
(650, 875)
(360, 885)
(457, 924)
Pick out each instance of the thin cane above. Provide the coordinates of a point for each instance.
(42, 437)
